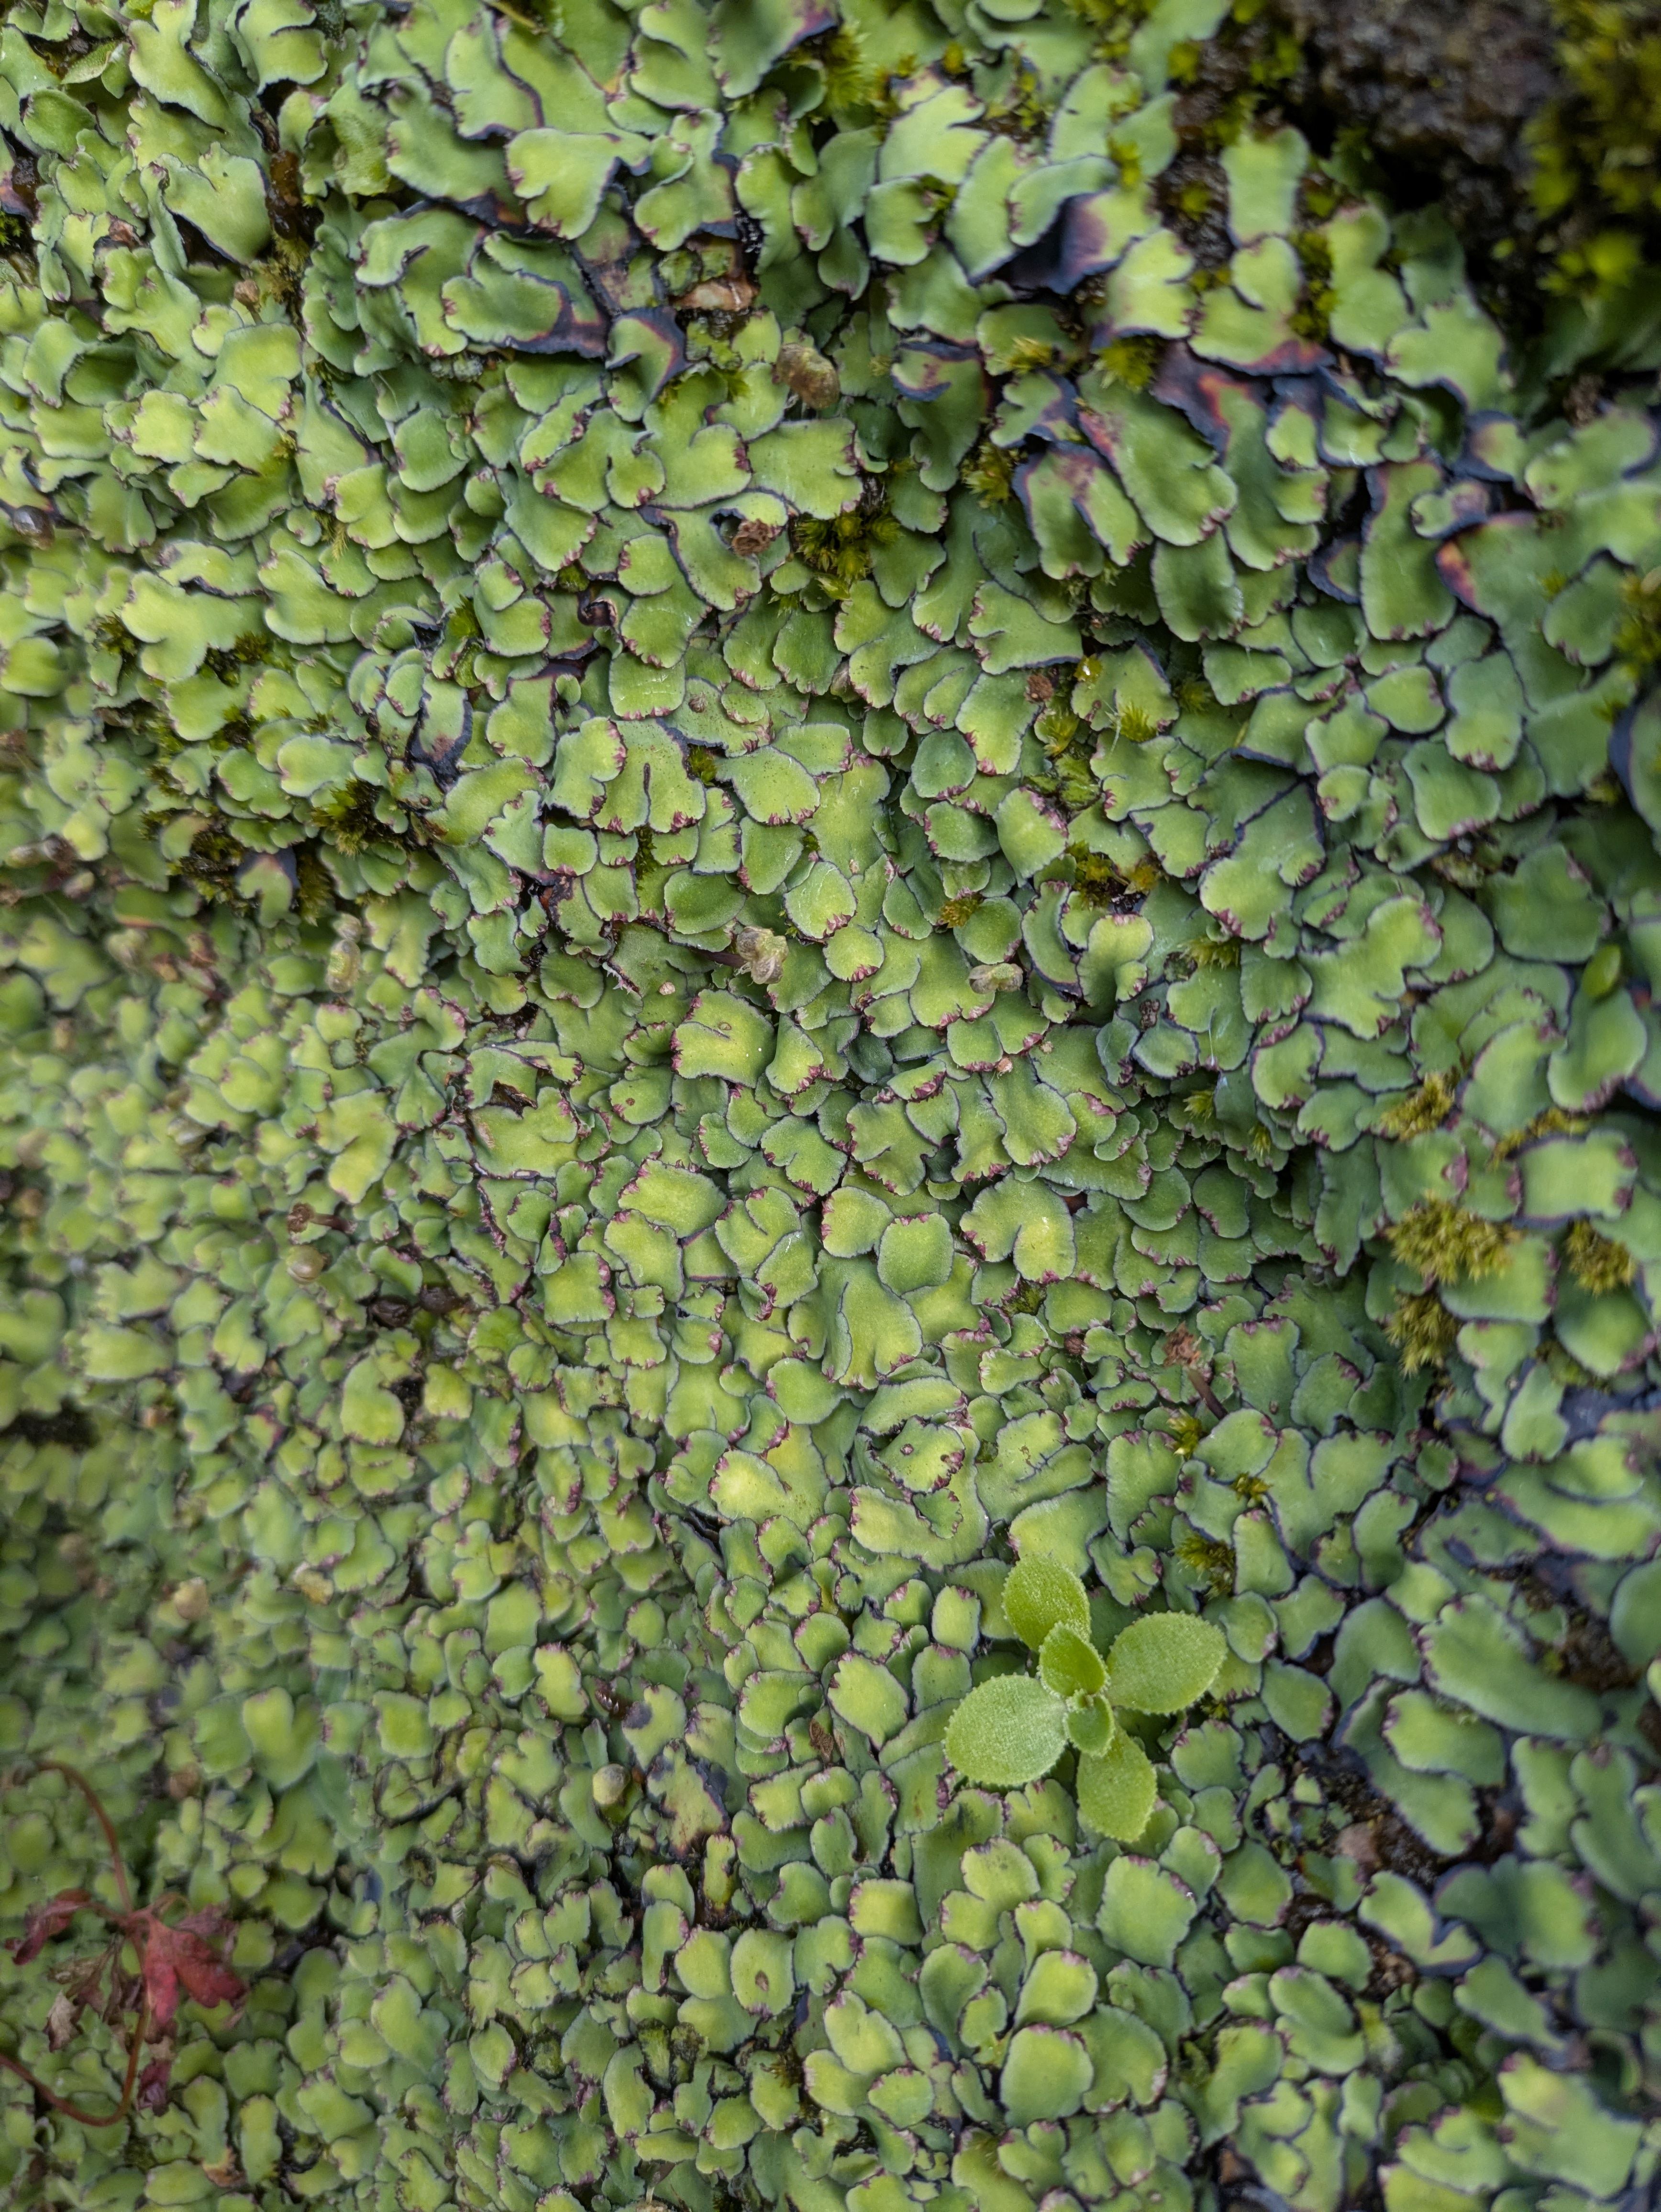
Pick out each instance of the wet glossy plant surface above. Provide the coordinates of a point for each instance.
(794, 804)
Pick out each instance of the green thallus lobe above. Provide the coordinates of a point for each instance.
(787, 806)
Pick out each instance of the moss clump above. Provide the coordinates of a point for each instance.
(212, 862)
(1020, 111)
(852, 81)
(1100, 881)
(1193, 194)
(840, 548)
(1432, 103)
(1208, 1559)
(1597, 145)
(354, 819)
(1638, 634)
(989, 473)
(1133, 361)
(248, 651)
(1423, 1110)
(1598, 1263)
(1446, 1244)
(1313, 318)
(1068, 744)
(1422, 1330)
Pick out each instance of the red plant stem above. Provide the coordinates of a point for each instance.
(125, 1889)
(78, 2111)
(117, 1864)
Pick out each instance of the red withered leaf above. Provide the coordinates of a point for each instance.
(43, 1922)
(151, 2095)
(184, 1961)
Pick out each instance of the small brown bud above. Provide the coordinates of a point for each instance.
(996, 975)
(1358, 1844)
(723, 296)
(191, 1601)
(754, 535)
(761, 952)
(811, 377)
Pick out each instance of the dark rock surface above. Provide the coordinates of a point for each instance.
(1438, 99)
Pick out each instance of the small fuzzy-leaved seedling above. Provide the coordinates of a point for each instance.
(1009, 1731)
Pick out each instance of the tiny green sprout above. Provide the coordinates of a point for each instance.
(1186, 1432)
(1011, 1730)
(1134, 725)
(1216, 952)
(1601, 972)
(1031, 353)
(1057, 727)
